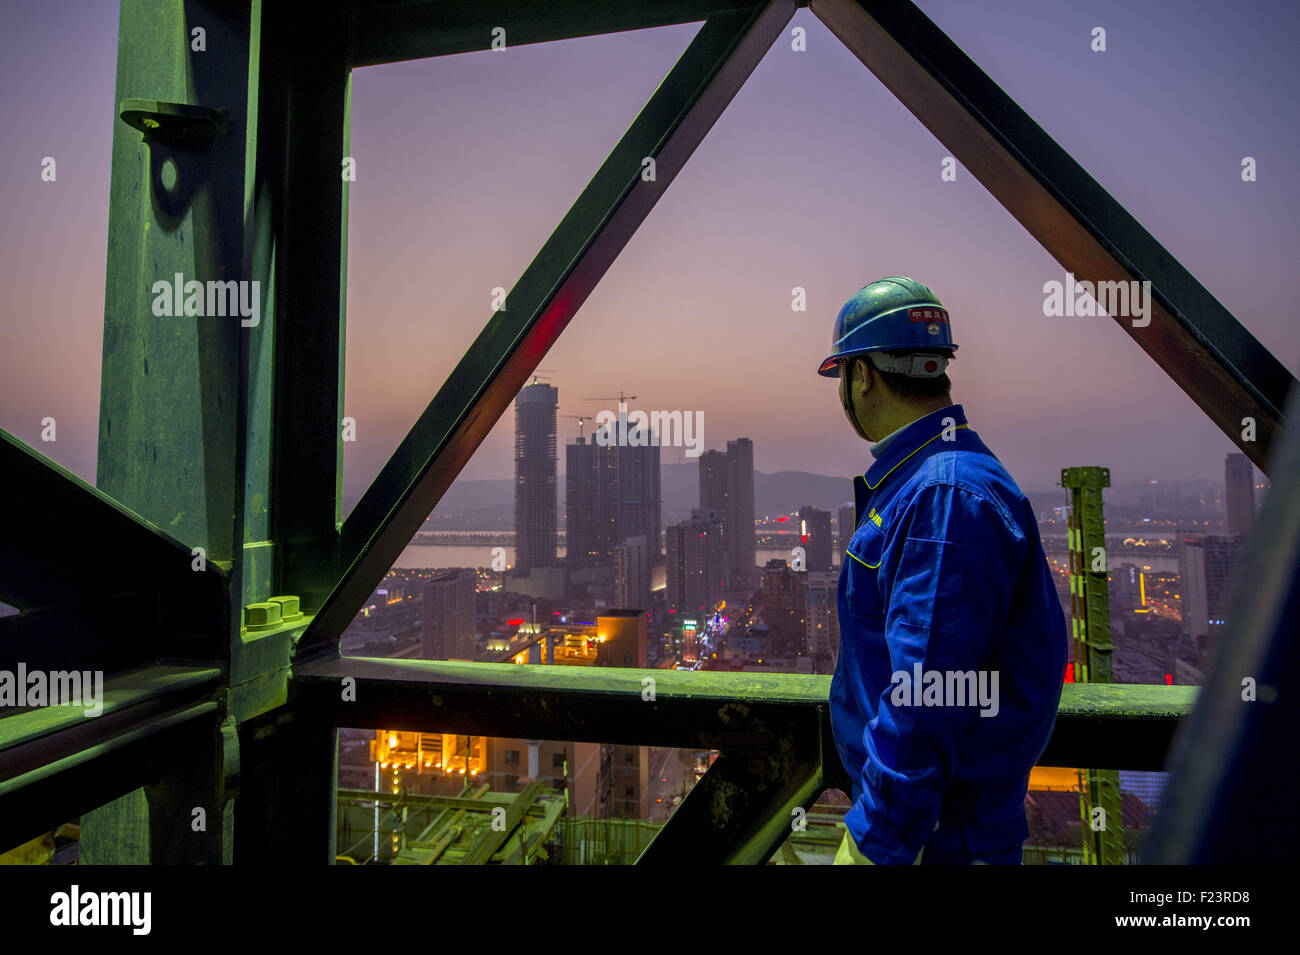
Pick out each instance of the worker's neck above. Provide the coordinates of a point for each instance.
(901, 415)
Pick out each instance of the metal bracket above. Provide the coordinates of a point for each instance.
(173, 123)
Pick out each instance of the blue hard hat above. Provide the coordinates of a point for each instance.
(895, 314)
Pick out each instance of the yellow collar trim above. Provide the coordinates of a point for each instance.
(872, 487)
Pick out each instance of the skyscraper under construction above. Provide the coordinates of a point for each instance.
(535, 470)
(727, 487)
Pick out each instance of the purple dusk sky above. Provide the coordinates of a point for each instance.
(815, 176)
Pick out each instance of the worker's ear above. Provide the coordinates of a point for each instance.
(862, 377)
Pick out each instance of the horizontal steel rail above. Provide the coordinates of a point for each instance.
(773, 730)
(1113, 726)
(56, 762)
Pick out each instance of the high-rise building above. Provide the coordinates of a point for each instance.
(612, 492)
(727, 487)
(536, 520)
(1262, 486)
(815, 538)
(1239, 478)
(632, 573)
(784, 607)
(713, 495)
(637, 479)
(1206, 565)
(696, 563)
(822, 619)
(592, 499)
(604, 462)
(581, 504)
(742, 544)
(713, 481)
(448, 616)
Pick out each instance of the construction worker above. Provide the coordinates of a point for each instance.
(952, 640)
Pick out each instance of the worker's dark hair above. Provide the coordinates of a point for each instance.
(908, 388)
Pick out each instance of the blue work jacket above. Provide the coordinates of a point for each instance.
(945, 574)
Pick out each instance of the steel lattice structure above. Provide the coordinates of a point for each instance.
(219, 452)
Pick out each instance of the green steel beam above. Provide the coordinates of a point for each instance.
(1103, 838)
(773, 729)
(492, 838)
(288, 784)
(175, 388)
(172, 387)
(595, 704)
(1089, 574)
(601, 222)
(744, 806)
(103, 614)
(57, 762)
(605, 705)
(386, 31)
(302, 137)
(535, 833)
(420, 801)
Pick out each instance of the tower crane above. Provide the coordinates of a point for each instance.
(581, 418)
(621, 398)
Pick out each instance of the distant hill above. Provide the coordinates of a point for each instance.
(787, 491)
(779, 493)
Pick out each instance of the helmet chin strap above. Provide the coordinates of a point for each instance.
(847, 401)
